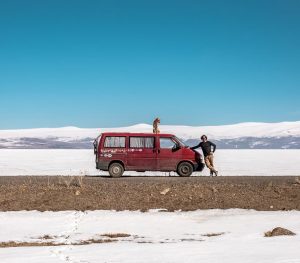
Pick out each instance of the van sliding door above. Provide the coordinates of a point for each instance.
(141, 154)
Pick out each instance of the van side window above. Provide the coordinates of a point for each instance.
(141, 142)
(114, 142)
(166, 143)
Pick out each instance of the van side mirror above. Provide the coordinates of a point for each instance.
(175, 147)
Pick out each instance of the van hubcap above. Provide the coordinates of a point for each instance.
(185, 169)
(116, 170)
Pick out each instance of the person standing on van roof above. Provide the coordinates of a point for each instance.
(208, 148)
(156, 122)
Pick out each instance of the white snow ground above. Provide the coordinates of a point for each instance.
(155, 236)
(81, 162)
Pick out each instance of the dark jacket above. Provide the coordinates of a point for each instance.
(207, 147)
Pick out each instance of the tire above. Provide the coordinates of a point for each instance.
(116, 170)
(185, 169)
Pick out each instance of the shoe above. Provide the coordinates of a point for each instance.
(216, 173)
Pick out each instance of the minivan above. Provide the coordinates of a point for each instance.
(119, 152)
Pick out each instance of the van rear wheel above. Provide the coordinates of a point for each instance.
(185, 169)
(116, 170)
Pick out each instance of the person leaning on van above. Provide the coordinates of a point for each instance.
(208, 148)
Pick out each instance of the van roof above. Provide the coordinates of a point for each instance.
(136, 134)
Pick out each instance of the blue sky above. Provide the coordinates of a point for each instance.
(114, 63)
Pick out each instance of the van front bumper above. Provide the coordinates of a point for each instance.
(199, 167)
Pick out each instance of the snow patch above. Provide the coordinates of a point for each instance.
(82, 162)
(154, 236)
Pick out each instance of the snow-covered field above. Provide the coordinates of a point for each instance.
(154, 236)
(237, 235)
(81, 162)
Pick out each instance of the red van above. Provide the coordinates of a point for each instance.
(117, 152)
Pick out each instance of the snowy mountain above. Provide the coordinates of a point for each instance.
(240, 136)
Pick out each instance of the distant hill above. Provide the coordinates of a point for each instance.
(283, 135)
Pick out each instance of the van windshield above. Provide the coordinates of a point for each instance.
(180, 141)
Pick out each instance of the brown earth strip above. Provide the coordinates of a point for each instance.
(142, 193)
(53, 244)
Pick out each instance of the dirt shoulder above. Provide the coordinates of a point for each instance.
(142, 193)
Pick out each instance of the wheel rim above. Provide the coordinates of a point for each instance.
(116, 170)
(185, 169)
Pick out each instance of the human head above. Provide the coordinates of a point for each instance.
(204, 138)
(158, 120)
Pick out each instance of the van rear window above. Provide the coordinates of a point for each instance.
(114, 142)
(141, 142)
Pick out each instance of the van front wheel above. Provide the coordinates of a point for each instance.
(185, 169)
(116, 170)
